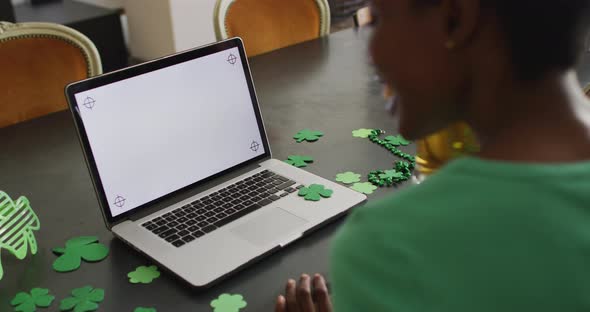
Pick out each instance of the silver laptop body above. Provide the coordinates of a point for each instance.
(182, 168)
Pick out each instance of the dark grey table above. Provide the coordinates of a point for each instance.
(326, 84)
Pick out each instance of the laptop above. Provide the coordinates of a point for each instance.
(182, 168)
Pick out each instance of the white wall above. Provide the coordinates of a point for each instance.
(192, 23)
(161, 27)
(150, 28)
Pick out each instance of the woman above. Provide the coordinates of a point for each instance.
(507, 230)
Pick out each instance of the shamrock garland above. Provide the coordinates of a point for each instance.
(397, 140)
(402, 170)
(391, 174)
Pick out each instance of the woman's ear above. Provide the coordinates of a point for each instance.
(461, 19)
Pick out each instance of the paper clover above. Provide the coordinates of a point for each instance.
(228, 303)
(25, 302)
(299, 161)
(392, 174)
(84, 247)
(17, 223)
(308, 135)
(397, 140)
(362, 133)
(315, 192)
(348, 177)
(365, 188)
(83, 299)
(144, 274)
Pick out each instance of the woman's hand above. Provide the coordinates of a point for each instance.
(304, 298)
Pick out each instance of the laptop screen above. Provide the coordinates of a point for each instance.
(158, 132)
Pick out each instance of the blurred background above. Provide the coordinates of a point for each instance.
(131, 31)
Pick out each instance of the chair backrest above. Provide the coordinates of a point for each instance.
(37, 60)
(266, 25)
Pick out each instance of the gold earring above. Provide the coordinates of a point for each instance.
(450, 44)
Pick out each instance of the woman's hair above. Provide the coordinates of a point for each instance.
(543, 35)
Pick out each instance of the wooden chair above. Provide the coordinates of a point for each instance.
(37, 60)
(266, 25)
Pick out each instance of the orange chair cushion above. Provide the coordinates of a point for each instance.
(266, 25)
(34, 72)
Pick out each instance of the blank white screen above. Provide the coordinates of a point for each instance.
(158, 132)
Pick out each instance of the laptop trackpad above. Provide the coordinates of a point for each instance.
(268, 226)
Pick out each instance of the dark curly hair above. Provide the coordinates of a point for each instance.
(543, 35)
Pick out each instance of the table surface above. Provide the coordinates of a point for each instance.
(326, 84)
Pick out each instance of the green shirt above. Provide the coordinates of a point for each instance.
(477, 236)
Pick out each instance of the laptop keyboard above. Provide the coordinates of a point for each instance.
(215, 210)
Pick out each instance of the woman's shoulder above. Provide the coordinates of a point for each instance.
(437, 204)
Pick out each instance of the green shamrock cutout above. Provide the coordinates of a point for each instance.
(84, 299)
(392, 174)
(84, 247)
(348, 177)
(315, 192)
(397, 140)
(19, 221)
(299, 161)
(228, 303)
(140, 309)
(362, 133)
(144, 274)
(365, 188)
(308, 135)
(39, 297)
